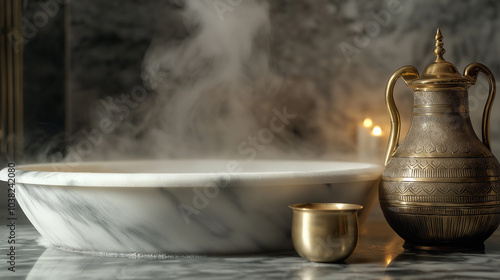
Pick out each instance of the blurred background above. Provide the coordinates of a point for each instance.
(102, 80)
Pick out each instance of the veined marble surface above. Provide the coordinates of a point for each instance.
(379, 256)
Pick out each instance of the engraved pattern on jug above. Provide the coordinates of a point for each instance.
(441, 127)
(436, 98)
(443, 192)
(445, 212)
(442, 168)
(437, 144)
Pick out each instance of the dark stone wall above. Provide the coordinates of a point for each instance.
(44, 76)
(334, 56)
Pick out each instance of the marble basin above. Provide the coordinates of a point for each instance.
(182, 206)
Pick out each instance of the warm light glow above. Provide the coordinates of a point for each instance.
(367, 122)
(388, 260)
(377, 131)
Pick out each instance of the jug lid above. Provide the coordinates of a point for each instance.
(440, 74)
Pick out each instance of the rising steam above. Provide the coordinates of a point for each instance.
(217, 85)
(208, 94)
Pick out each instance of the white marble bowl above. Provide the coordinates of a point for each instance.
(182, 206)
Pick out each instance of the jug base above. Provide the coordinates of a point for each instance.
(446, 247)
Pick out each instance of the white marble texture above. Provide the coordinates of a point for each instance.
(379, 256)
(182, 206)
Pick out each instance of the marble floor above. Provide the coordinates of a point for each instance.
(379, 255)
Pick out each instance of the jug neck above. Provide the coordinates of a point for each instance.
(435, 103)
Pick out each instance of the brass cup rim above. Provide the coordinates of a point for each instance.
(326, 207)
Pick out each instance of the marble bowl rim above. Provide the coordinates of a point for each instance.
(358, 171)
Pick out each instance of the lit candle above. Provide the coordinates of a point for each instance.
(376, 145)
(376, 141)
(364, 138)
(377, 131)
(370, 142)
(367, 123)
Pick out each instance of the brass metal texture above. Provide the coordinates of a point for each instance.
(441, 184)
(325, 232)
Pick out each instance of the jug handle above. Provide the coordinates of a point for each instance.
(408, 74)
(472, 71)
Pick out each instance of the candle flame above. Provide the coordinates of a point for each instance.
(367, 122)
(377, 131)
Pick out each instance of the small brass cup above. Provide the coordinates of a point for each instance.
(325, 232)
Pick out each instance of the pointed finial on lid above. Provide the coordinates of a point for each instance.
(440, 74)
(439, 50)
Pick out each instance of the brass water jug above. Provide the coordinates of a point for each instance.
(441, 185)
